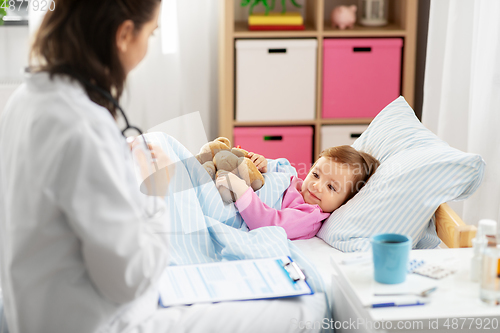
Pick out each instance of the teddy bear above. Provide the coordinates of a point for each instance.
(218, 155)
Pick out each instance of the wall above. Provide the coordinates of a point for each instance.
(13, 59)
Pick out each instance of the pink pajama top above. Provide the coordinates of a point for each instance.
(299, 219)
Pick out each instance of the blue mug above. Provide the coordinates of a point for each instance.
(391, 253)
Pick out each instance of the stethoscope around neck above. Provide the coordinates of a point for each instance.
(158, 180)
(110, 98)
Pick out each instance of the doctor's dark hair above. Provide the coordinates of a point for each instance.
(78, 38)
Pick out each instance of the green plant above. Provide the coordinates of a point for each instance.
(268, 6)
(3, 12)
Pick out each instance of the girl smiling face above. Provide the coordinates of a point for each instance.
(328, 184)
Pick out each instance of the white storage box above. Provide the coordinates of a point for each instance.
(338, 135)
(276, 79)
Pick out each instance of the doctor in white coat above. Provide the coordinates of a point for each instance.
(78, 251)
(76, 245)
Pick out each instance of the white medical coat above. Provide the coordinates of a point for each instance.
(76, 248)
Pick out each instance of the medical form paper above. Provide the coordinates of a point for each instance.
(231, 281)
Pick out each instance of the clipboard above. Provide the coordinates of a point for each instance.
(236, 280)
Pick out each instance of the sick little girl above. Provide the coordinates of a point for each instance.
(338, 174)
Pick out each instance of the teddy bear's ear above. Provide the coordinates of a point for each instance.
(210, 149)
(205, 153)
(204, 157)
(239, 152)
(224, 141)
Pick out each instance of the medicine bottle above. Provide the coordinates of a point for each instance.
(490, 274)
(486, 230)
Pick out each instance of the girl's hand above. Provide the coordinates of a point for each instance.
(231, 182)
(259, 161)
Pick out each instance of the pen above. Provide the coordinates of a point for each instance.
(386, 305)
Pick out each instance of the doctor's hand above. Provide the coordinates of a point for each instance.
(259, 161)
(155, 168)
(161, 159)
(232, 182)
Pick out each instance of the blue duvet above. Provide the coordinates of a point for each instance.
(204, 229)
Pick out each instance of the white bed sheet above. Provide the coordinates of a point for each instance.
(280, 315)
(284, 315)
(321, 254)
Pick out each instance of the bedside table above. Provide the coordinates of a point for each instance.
(454, 306)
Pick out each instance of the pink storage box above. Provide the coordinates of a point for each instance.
(293, 143)
(361, 76)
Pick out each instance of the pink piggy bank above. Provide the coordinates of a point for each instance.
(344, 16)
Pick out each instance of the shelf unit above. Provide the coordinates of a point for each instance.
(402, 23)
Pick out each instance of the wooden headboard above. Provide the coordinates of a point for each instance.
(451, 229)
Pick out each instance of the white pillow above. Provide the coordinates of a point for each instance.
(418, 172)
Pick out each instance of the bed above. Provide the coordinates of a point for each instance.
(418, 174)
(451, 229)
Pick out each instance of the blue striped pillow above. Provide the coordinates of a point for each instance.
(418, 172)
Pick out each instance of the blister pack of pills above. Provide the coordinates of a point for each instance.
(434, 271)
(414, 264)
